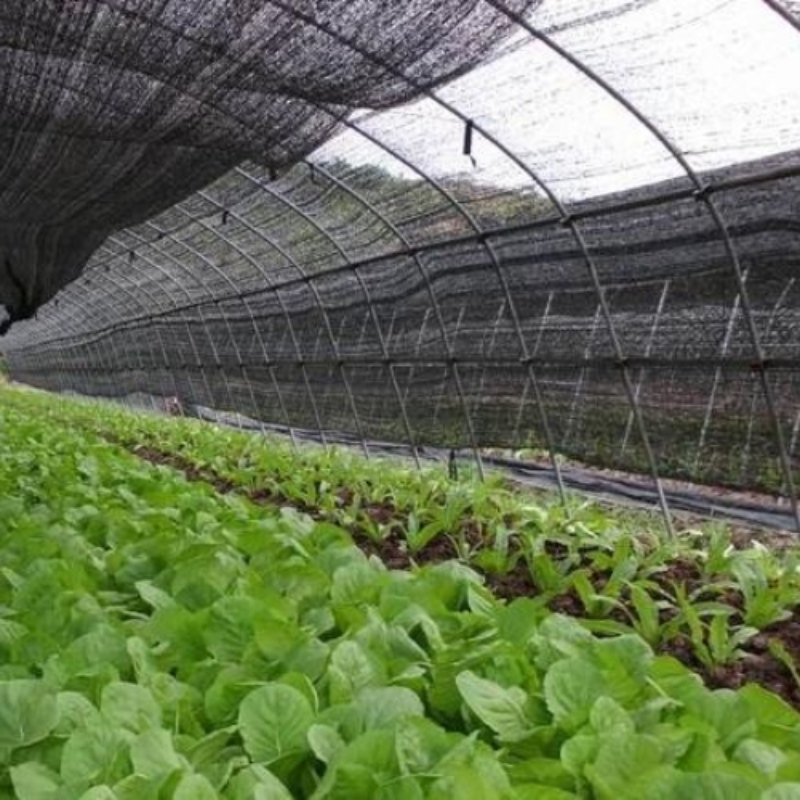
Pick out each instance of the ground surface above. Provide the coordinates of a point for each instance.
(189, 612)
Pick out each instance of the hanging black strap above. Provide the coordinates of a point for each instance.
(468, 128)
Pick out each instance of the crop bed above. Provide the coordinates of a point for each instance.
(240, 620)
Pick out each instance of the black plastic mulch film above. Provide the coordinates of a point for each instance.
(572, 226)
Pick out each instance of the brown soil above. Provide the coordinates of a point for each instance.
(681, 571)
(390, 549)
(514, 583)
(190, 470)
(757, 665)
(568, 603)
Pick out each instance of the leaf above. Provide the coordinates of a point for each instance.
(647, 612)
(153, 754)
(34, 781)
(383, 706)
(257, 783)
(503, 710)
(194, 787)
(100, 793)
(420, 744)
(623, 763)
(571, 688)
(130, 706)
(230, 627)
(351, 670)
(560, 636)
(11, 632)
(355, 584)
(303, 684)
(361, 769)
(95, 755)
(137, 787)
(223, 697)
(712, 785)
(274, 721)
(782, 791)
(761, 756)
(579, 751)
(208, 749)
(154, 597)
(28, 712)
(610, 718)
(517, 621)
(471, 771)
(625, 662)
(543, 772)
(102, 648)
(778, 722)
(539, 791)
(729, 715)
(74, 711)
(325, 742)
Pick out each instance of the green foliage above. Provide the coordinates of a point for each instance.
(160, 640)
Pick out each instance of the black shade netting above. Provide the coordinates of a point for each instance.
(570, 226)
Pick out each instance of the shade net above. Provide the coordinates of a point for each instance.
(569, 225)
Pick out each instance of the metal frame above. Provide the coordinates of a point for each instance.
(703, 193)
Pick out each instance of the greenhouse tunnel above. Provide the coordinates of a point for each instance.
(566, 226)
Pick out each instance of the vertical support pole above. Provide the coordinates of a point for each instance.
(578, 396)
(417, 349)
(168, 369)
(300, 363)
(428, 288)
(452, 366)
(703, 194)
(534, 354)
(712, 398)
(234, 406)
(453, 343)
(647, 350)
(488, 351)
(795, 434)
(387, 360)
(271, 370)
(753, 400)
(198, 363)
(624, 372)
(219, 367)
(758, 352)
(339, 363)
(532, 376)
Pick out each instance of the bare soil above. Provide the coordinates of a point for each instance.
(758, 665)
